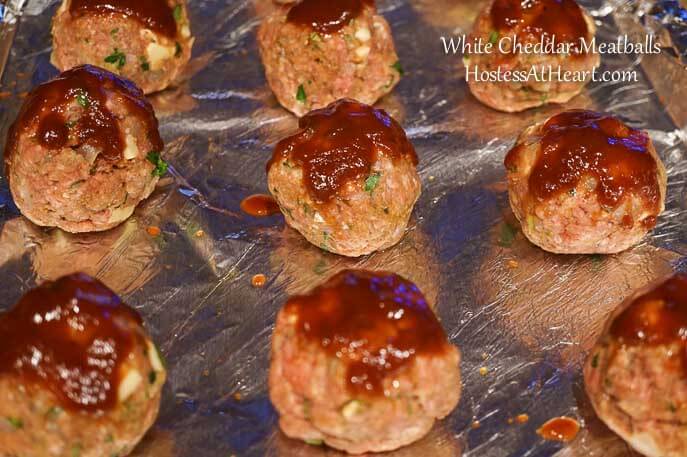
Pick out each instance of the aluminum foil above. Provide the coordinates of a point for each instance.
(526, 316)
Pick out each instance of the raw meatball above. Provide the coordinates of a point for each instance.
(556, 26)
(347, 181)
(83, 152)
(79, 376)
(362, 364)
(147, 41)
(584, 182)
(636, 375)
(317, 52)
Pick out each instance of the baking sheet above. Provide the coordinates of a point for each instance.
(527, 316)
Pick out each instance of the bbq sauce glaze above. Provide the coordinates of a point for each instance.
(328, 16)
(560, 18)
(157, 15)
(657, 317)
(70, 336)
(580, 143)
(375, 322)
(338, 144)
(51, 106)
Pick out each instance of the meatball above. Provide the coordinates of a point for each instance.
(584, 182)
(347, 181)
(362, 364)
(83, 152)
(317, 52)
(78, 373)
(558, 33)
(636, 375)
(147, 41)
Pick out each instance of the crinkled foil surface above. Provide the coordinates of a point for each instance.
(527, 316)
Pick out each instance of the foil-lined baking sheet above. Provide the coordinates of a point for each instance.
(523, 318)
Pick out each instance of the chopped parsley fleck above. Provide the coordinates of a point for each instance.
(54, 412)
(114, 31)
(397, 66)
(315, 37)
(595, 361)
(178, 50)
(15, 422)
(320, 267)
(152, 376)
(76, 450)
(300, 94)
(314, 442)
(507, 236)
(177, 13)
(145, 65)
(109, 438)
(325, 240)
(494, 37)
(160, 165)
(596, 260)
(372, 181)
(117, 58)
(672, 408)
(82, 99)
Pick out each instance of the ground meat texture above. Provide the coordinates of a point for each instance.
(362, 364)
(539, 21)
(79, 376)
(147, 41)
(636, 375)
(83, 151)
(584, 182)
(315, 53)
(347, 181)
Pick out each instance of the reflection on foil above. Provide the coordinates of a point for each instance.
(523, 318)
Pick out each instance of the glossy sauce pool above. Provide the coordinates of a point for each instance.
(560, 18)
(156, 15)
(260, 205)
(338, 144)
(50, 107)
(375, 323)
(328, 16)
(562, 429)
(575, 144)
(71, 337)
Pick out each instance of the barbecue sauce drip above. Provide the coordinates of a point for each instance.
(578, 143)
(563, 429)
(70, 336)
(376, 323)
(562, 19)
(71, 111)
(156, 15)
(259, 205)
(338, 144)
(326, 16)
(658, 317)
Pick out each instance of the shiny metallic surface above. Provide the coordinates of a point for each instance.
(526, 316)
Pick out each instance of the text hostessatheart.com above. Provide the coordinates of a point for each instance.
(549, 71)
